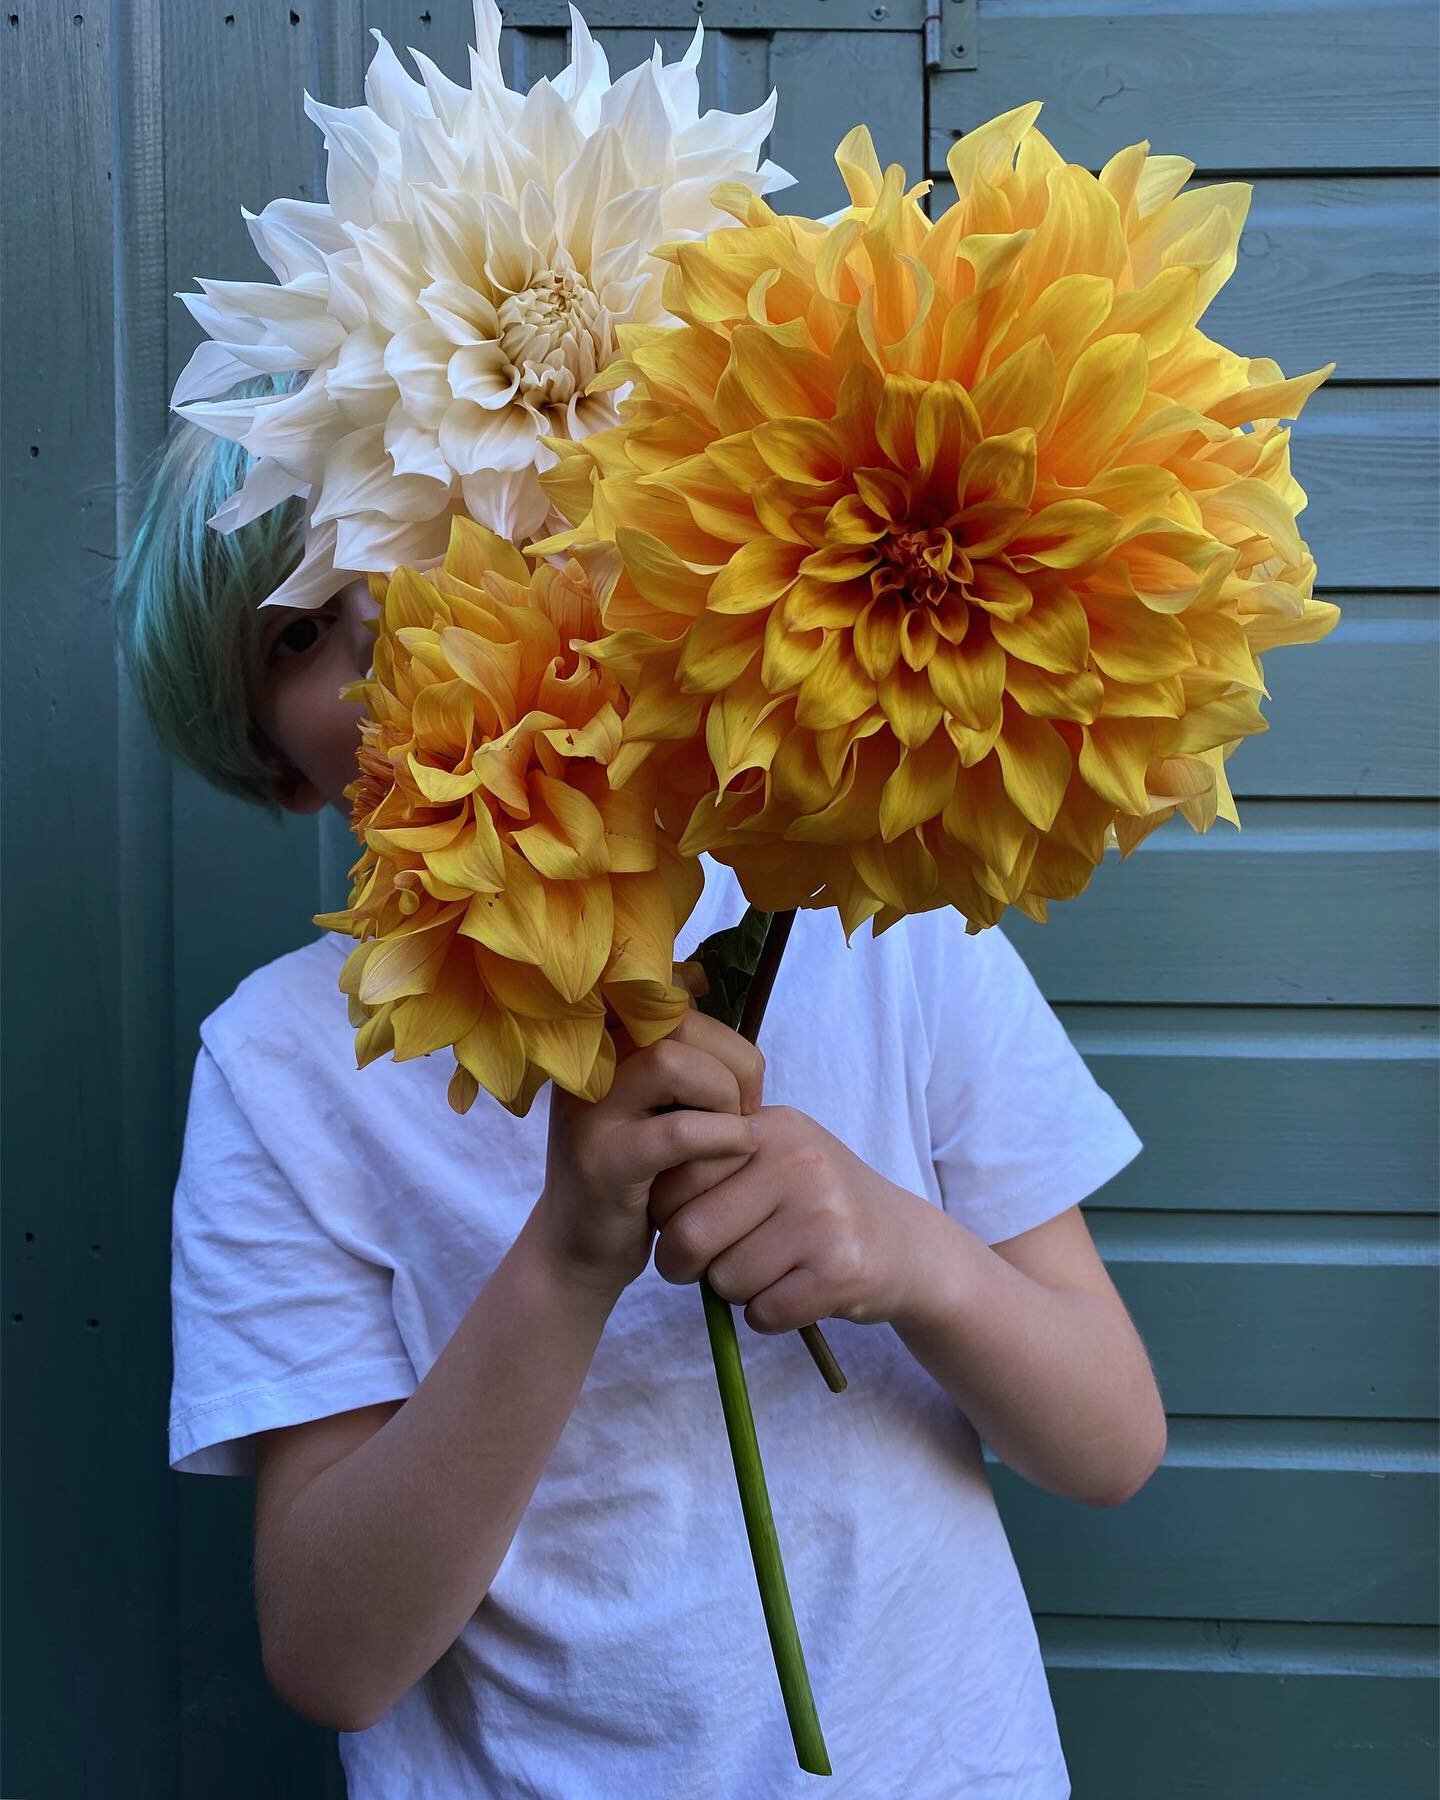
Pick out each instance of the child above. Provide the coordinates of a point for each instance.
(498, 1543)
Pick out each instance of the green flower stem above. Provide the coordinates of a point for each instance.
(757, 997)
(760, 1529)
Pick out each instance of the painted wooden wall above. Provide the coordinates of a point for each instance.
(1259, 1622)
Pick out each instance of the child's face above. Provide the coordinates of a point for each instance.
(306, 658)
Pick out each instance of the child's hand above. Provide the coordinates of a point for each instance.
(683, 1100)
(803, 1231)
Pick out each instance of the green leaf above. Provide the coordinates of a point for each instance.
(728, 958)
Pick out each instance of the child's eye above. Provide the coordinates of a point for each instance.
(299, 635)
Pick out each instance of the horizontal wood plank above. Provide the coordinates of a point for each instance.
(1338, 270)
(1309, 87)
(1310, 903)
(1288, 1316)
(1255, 1536)
(1264, 1109)
(1379, 673)
(1369, 461)
(722, 15)
(1210, 1710)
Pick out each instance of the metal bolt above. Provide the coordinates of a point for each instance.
(879, 12)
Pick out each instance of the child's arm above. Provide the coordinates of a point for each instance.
(1029, 1338)
(367, 1569)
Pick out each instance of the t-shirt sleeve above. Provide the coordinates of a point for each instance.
(1020, 1128)
(273, 1323)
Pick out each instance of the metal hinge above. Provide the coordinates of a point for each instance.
(951, 31)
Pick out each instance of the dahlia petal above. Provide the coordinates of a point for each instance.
(1114, 756)
(1035, 762)
(837, 692)
(441, 786)
(473, 438)
(718, 648)
(982, 818)
(511, 921)
(789, 656)
(566, 839)
(947, 429)
(1218, 722)
(1133, 643)
(415, 360)
(493, 1053)
(265, 486)
(968, 678)
(316, 576)
(211, 370)
(1067, 534)
(408, 963)
(660, 575)
(1103, 393)
(919, 789)
(433, 1021)
(876, 637)
(412, 448)
(579, 931)
(801, 450)
(788, 382)
(1079, 696)
(1000, 469)
(472, 860)
(1019, 392)
(908, 702)
(757, 576)
(1054, 634)
(359, 382)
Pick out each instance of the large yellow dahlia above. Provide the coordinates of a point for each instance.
(510, 898)
(951, 545)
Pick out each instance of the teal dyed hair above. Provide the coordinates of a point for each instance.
(186, 605)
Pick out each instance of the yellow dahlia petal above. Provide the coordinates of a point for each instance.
(1035, 764)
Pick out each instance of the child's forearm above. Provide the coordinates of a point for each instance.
(1055, 1380)
(383, 1557)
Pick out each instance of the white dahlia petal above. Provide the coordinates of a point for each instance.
(366, 541)
(514, 506)
(458, 295)
(483, 373)
(359, 383)
(290, 239)
(463, 314)
(415, 358)
(359, 478)
(472, 438)
(679, 83)
(316, 576)
(211, 370)
(265, 486)
(413, 449)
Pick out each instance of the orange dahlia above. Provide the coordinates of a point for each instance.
(939, 556)
(511, 899)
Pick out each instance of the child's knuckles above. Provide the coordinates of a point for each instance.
(842, 1262)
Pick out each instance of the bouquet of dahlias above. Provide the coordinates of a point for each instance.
(897, 563)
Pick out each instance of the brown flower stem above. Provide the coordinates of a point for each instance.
(785, 1645)
(757, 997)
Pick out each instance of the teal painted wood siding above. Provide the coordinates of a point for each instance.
(1259, 1623)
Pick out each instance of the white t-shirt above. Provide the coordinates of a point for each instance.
(332, 1227)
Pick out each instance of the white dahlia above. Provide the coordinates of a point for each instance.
(455, 299)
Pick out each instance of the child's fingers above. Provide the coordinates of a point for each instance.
(669, 1139)
(741, 1057)
(674, 1187)
(674, 1072)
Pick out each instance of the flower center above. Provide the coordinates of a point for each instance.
(923, 563)
(557, 334)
